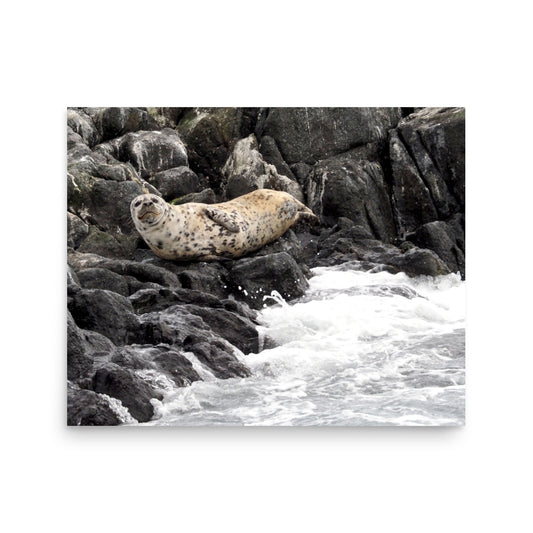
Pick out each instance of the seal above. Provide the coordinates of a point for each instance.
(210, 232)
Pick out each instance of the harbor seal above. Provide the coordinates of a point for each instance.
(209, 232)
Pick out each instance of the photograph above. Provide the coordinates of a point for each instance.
(265, 266)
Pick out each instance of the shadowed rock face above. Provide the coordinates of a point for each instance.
(386, 184)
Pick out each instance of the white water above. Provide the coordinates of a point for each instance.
(359, 348)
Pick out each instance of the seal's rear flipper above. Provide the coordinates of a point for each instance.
(226, 220)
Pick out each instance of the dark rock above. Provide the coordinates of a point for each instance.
(167, 117)
(254, 278)
(351, 186)
(77, 230)
(412, 201)
(103, 203)
(150, 152)
(206, 277)
(86, 408)
(417, 262)
(209, 134)
(144, 272)
(207, 196)
(161, 358)
(440, 238)
(151, 300)
(117, 121)
(107, 313)
(102, 278)
(134, 393)
(310, 133)
(215, 356)
(271, 154)
(237, 330)
(78, 362)
(82, 124)
(245, 171)
(116, 245)
(175, 182)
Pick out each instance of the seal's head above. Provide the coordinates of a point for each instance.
(148, 209)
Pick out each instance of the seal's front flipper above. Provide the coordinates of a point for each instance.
(225, 219)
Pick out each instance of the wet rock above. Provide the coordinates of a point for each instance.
(215, 356)
(78, 362)
(237, 330)
(440, 238)
(256, 277)
(245, 171)
(308, 134)
(86, 408)
(105, 312)
(134, 393)
(352, 186)
(161, 359)
(152, 300)
(175, 182)
(417, 262)
(211, 278)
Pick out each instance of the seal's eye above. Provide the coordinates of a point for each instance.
(155, 200)
(137, 203)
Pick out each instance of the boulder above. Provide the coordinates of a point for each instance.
(149, 152)
(87, 408)
(352, 185)
(114, 122)
(246, 171)
(440, 238)
(255, 278)
(210, 133)
(123, 384)
(175, 182)
(105, 312)
(308, 134)
(83, 125)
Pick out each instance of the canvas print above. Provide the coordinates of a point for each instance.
(265, 266)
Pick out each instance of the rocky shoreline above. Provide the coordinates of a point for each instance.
(386, 183)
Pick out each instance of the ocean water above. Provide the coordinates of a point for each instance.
(359, 349)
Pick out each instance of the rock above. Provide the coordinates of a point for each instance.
(245, 171)
(161, 359)
(211, 278)
(237, 330)
(117, 121)
(82, 124)
(107, 313)
(215, 356)
(114, 245)
(103, 203)
(78, 362)
(152, 300)
(86, 408)
(271, 154)
(417, 262)
(134, 393)
(352, 185)
(308, 134)
(167, 117)
(144, 272)
(254, 278)
(206, 196)
(150, 152)
(427, 160)
(77, 230)
(102, 278)
(440, 238)
(175, 182)
(209, 134)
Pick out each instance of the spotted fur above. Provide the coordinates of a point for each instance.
(211, 232)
